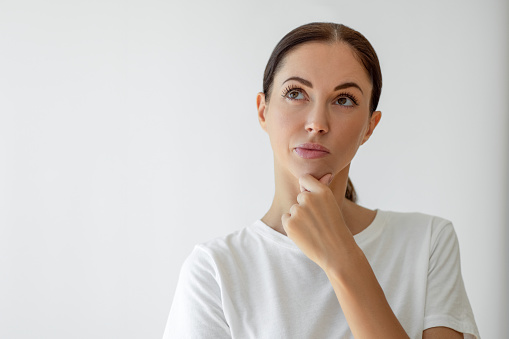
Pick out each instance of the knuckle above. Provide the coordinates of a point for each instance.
(285, 217)
(323, 193)
(304, 196)
(321, 190)
(290, 226)
(294, 210)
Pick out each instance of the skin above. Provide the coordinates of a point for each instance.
(309, 204)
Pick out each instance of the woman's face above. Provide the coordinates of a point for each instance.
(318, 112)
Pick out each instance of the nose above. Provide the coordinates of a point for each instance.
(318, 122)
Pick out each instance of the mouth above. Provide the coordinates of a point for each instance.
(311, 151)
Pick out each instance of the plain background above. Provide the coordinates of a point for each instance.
(128, 133)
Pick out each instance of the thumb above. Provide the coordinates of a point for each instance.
(326, 179)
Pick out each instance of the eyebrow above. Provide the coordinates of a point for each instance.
(338, 87)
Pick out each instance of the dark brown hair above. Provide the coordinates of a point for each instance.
(327, 32)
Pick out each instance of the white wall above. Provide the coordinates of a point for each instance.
(128, 133)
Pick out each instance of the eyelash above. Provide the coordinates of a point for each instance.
(291, 88)
(349, 96)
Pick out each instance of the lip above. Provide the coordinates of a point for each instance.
(311, 151)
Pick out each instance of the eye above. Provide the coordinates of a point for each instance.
(346, 99)
(293, 93)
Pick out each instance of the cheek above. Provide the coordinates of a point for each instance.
(350, 133)
(281, 128)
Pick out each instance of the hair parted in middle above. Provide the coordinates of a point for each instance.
(326, 32)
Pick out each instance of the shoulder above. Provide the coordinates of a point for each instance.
(220, 250)
(226, 244)
(411, 229)
(415, 221)
(415, 218)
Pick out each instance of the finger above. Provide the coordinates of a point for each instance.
(326, 179)
(284, 219)
(303, 197)
(311, 184)
(302, 189)
(293, 209)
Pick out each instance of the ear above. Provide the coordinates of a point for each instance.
(262, 109)
(373, 122)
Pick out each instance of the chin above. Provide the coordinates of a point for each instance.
(315, 170)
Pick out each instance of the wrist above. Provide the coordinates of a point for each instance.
(347, 267)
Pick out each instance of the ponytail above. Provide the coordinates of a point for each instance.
(350, 193)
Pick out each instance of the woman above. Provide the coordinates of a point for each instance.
(318, 265)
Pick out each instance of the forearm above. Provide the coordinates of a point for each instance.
(362, 300)
(317, 226)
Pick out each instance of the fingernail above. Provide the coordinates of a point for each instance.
(330, 179)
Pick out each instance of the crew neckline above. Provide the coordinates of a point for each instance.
(370, 232)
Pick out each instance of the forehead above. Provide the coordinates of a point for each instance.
(324, 63)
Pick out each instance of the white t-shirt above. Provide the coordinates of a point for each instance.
(256, 283)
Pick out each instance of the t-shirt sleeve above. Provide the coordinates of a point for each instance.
(446, 298)
(196, 311)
